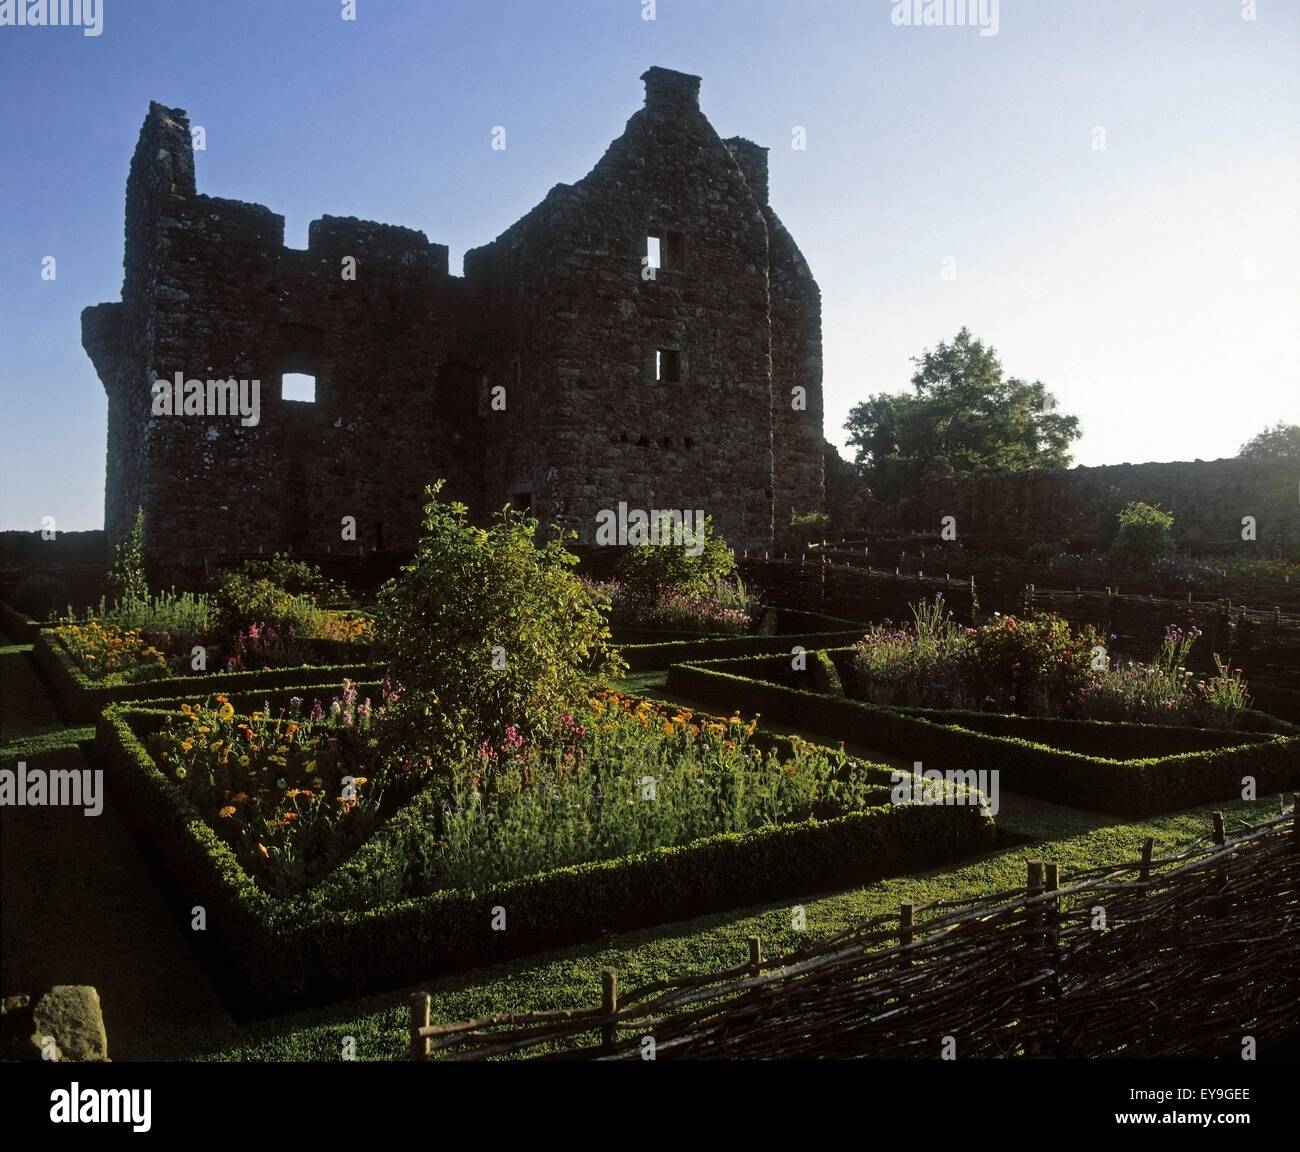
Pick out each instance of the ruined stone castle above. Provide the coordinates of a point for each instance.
(650, 334)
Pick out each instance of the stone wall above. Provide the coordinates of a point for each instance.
(555, 375)
(1207, 498)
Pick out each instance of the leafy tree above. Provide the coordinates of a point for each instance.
(688, 566)
(126, 578)
(1280, 442)
(1146, 533)
(965, 410)
(488, 631)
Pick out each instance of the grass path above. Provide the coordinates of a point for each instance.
(80, 904)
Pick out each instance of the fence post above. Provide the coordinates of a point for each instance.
(1054, 953)
(906, 920)
(420, 1004)
(1033, 942)
(609, 1005)
(756, 954)
(1148, 846)
(1219, 904)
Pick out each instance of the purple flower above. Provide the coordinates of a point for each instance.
(317, 711)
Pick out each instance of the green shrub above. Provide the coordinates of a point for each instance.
(1144, 535)
(1043, 550)
(242, 601)
(692, 566)
(487, 630)
(297, 577)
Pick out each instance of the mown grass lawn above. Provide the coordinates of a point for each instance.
(571, 978)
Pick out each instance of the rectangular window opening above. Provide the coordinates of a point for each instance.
(653, 252)
(297, 387)
(668, 365)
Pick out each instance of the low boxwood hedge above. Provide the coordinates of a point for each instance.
(355, 933)
(80, 698)
(1133, 770)
(18, 624)
(650, 657)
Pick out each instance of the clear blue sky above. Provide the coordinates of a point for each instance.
(1152, 285)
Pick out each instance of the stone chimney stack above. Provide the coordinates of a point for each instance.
(752, 159)
(668, 91)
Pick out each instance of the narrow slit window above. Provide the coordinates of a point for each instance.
(299, 388)
(668, 365)
(653, 252)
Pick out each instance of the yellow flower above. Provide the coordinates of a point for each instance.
(262, 849)
(187, 745)
(204, 729)
(228, 810)
(227, 711)
(181, 773)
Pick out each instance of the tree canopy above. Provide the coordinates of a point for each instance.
(964, 409)
(1280, 442)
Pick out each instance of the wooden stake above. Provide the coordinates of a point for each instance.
(420, 1004)
(609, 1005)
(756, 954)
(1148, 846)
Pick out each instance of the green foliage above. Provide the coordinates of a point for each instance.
(350, 934)
(297, 577)
(1036, 666)
(189, 613)
(242, 601)
(826, 677)
(964, 410)
(1144, 535)
(645, 778)
(126, 578)
(487, 630)
(1127, 769)
(691, 566)
(1043, 550)
(810, 526)
(1279, 442)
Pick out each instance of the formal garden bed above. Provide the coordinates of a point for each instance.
(1054, 716)
(317, 885)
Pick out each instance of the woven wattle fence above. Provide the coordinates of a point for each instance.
(1181, 956)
